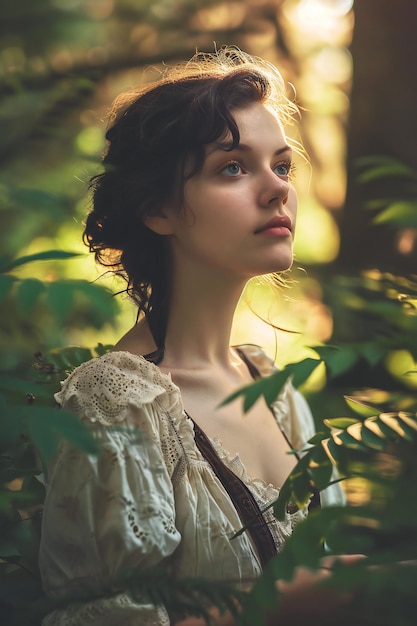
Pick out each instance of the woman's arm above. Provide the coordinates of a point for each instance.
(304, 601)
(108, 514)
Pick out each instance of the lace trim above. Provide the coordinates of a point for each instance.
(120, 609)
(264, 494)
(261, 488)
(102, 389)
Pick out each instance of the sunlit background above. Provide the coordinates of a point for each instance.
(80, 54)
(313, 57)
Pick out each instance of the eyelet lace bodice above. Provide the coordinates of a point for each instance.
(149, 497)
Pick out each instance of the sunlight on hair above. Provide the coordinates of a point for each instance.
(227, 58)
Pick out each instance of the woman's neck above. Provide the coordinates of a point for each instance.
(200, 322)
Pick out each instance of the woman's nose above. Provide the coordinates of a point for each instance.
(274, 189)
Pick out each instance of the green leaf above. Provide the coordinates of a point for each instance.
(28, 293)
(339, 362)
(325, 351)
(34, 488)
(270, 387)
(373, 352)
(280, 505)
(340, 422)
(376, 204)
(296, 487)
(12, 468)
(338, 454)
(320, 468)
(67, 359)
(302, 370)
(301, 489)
(47, 426)
(274, 385)
(60, 296)
(370, 437)
(101, 349)
(13, 500)
(348, 440)
(391, 170)
(360, 408)
(8, 548)
(6, 283)
(391, 427)
(47, 255)
(305, 546)
(266, 598)
(12, 383)
(409, 424)
(317, 438)
(12, 422)
(376, 160)
(27, 537)
(401, 214)
(252, 391)
(34, 200)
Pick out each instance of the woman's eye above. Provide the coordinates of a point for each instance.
(232, 169)
(284, 169)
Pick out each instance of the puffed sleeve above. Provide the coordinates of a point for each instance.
(113, 512)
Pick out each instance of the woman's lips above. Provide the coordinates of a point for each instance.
(276, 231)
(277, 227)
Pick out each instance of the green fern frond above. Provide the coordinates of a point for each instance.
(347, 439)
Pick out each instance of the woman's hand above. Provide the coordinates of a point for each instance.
(306, 601)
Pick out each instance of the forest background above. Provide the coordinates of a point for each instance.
(353, 290)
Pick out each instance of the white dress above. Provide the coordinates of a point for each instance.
(149, 497)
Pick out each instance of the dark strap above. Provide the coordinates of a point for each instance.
(315, 502)
(242, 498)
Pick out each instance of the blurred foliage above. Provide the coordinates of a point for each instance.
(33, 314)
(393, 188)
(377, 463)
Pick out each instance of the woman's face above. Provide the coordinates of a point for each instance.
(240, 209)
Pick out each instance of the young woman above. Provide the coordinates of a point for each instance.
(195, 200)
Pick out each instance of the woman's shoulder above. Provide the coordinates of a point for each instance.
(104, 388)
(258, 357)
(290, 407)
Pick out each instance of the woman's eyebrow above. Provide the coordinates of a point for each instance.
(227, 146)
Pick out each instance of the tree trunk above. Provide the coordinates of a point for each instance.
(383, 121)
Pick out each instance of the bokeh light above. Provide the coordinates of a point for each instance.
(401, 365)
(317, 235)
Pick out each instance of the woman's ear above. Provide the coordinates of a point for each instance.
(159, 224)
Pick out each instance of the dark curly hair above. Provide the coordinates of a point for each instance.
(156, 141)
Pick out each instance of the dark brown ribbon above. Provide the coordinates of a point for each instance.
(242, 498)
